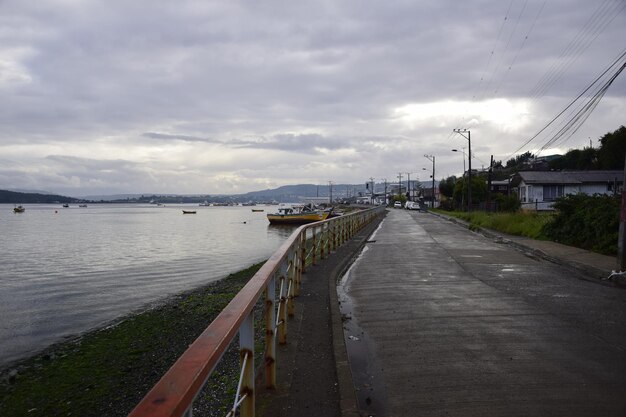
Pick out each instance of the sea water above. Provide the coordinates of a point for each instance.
(64, 271)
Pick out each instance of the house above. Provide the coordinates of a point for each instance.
(537, 190)
(499, 187)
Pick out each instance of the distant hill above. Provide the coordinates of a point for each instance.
(14, 197)
(284, 194)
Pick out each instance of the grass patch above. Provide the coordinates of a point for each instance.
(518, 224)
(107, 372)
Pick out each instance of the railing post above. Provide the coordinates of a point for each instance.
(298, 272)
(246, 352)
(303, 251)
(290, 287)
(282, 310)
(314, 243)
(270, 340)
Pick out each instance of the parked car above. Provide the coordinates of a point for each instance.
(397, 204)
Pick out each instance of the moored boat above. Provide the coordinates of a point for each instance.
(189, 212)
(297, 215)
(18, 209)
(258, 210)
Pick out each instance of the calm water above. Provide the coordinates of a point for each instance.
(67, 270)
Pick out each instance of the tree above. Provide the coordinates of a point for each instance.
(585, 159)
(446, 186)
(479, 190)
(612, 150)
(519, 160)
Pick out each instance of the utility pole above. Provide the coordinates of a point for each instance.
(385, 180)
(469, 161)
(621, 242)
(488, 205)
(408, 185)
(372, 190)
(330, 186)
(432, 159)
(399, 184)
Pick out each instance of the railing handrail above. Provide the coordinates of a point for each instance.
(174, 394)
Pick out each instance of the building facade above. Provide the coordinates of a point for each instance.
(538, 190)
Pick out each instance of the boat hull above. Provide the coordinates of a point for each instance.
(299, 218)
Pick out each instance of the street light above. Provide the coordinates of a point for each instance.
(469, 161)
(432, 158)
(462, 193)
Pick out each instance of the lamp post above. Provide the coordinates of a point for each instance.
(432, 159)
(469, 162)
(462, 193)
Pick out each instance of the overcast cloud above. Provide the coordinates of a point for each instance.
(106, 97)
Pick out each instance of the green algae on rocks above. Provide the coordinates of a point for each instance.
(108, 371)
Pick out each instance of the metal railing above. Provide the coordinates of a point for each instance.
(174, 394)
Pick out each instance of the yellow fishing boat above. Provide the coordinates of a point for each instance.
(297, 215)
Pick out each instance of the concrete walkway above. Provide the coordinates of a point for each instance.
(444, 321)
(592, 265)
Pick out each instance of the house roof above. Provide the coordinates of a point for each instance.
(567, 177)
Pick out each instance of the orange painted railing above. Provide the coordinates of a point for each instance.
(174, 394)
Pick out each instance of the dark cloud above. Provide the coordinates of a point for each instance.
(200, 86)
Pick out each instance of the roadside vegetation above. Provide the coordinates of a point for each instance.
(587, 222)
(517, 224)
(584, 221)
(107, 372)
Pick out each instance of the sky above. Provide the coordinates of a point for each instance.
(225, 97)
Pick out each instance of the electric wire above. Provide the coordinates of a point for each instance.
(532, 27)
(593, 27)
(572, 103)
(583, 114)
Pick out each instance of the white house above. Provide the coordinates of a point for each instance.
(537, 190)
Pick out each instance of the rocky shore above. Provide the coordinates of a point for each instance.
(108, 371)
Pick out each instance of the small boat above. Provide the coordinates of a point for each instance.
(18, 209)
(204, 204)
(82, 205)
(297, 215)
(189, 212)
(258, 210)
(66, 205)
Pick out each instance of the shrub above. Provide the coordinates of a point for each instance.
(588, 222)
(508, 203)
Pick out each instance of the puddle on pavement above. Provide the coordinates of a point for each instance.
(367, 379)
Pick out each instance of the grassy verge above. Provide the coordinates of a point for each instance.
(517, 224)
(106, 372)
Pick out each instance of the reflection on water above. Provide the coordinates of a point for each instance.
(67, 270)
(281, 230)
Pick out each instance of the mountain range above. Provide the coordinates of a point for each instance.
(284, 194)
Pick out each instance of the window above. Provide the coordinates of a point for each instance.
(552, 192)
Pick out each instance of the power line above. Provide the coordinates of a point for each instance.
(593, 27)
(622, 55)
(581, 116)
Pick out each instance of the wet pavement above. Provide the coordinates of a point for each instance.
(445, 321)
